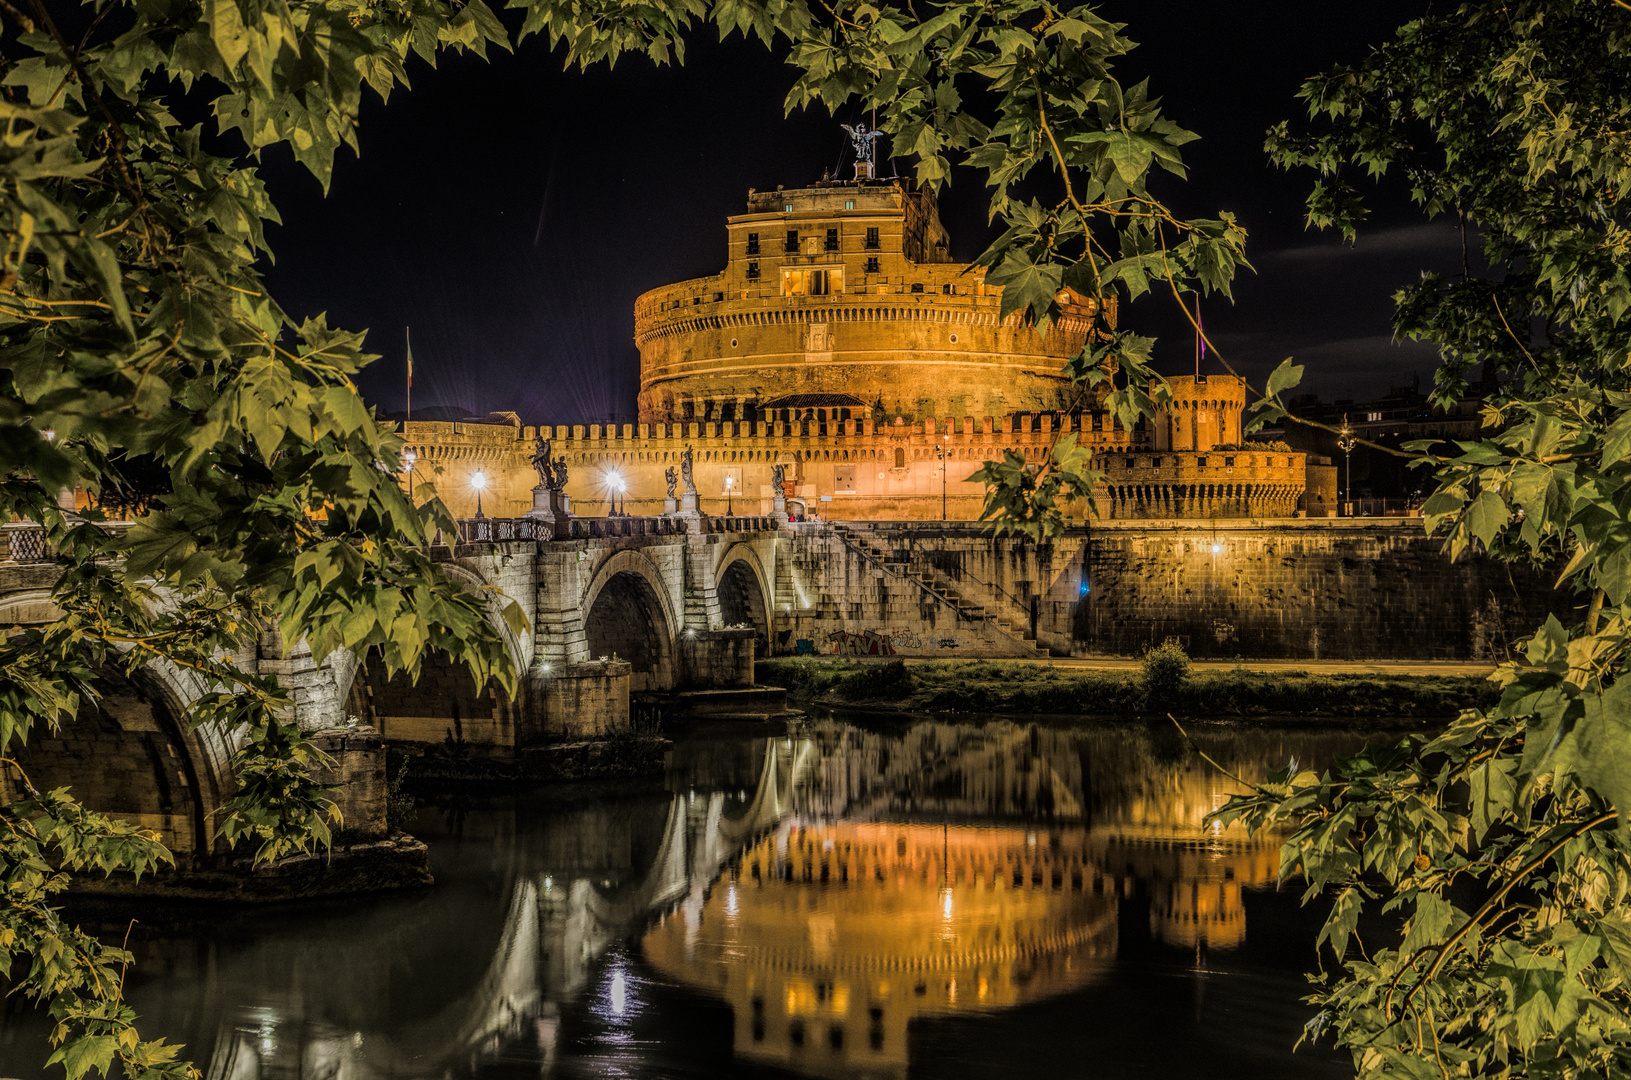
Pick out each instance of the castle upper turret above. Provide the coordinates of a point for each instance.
(841, 300)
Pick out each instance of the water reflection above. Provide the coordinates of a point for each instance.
(829, 888)
(828, 939)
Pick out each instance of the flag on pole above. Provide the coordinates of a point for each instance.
(406, 333)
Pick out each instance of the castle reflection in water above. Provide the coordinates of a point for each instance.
(830, 886)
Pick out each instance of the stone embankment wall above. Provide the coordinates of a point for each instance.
(1283, 589)
(1321, 590)
(847, 597)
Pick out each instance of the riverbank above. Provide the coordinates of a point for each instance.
(1030, 688)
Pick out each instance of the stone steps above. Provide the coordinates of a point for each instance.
(928, 581)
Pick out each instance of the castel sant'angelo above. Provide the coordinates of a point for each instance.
(841, 347)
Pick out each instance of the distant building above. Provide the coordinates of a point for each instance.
(842, 344)
(1402, 415)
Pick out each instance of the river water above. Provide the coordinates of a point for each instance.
(891, 899)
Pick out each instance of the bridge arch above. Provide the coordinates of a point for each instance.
(744, 593)
(627, 611)
(28, 607)
(128, 752)
(445, 702)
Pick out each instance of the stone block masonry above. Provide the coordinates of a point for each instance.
(1317, 590)
(1267, 589)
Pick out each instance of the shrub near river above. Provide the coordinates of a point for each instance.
(1002, 686)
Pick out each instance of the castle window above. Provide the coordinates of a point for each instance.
(753, 271)
(1155, 463)
(872, 238)
(917, 286)
(1098, 421)
(946, 288)
(849, 204)
(1132, 462)
(753, 243)
(787, 208)
(1201, 461)
(820, 283)
(832, 240)
(872, 265)
(1228, 462)
(792, 244)
(900, 457)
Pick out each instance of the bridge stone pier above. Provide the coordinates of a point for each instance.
(613, 607)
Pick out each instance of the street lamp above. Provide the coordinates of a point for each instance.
(614, 483)
(408, 460)
(730, 482)
(943, 452)
(1345, 443)
(478, 480)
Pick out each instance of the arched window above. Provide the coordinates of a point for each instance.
(900, 457)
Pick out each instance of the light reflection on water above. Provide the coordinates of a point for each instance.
(939, 900)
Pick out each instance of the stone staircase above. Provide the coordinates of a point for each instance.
(940, 588)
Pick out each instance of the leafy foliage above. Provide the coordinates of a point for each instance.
(137, 342)
(1163, 670)
(1502, 843)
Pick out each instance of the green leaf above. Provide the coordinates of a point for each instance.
(1283, 378)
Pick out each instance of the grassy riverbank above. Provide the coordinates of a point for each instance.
(1022, 687)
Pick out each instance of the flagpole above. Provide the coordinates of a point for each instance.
(407, 414)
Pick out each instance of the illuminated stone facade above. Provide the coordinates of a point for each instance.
(842, 344)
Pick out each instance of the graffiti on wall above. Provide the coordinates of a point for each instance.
(865, 643)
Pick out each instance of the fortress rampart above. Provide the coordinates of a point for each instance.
(840, 469)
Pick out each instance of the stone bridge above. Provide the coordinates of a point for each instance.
(625, 606)
(612, 606)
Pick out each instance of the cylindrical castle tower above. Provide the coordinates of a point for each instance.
(840, 302)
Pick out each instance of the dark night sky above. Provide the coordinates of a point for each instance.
(510, 212)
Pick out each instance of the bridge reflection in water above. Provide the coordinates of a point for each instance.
(830, 887)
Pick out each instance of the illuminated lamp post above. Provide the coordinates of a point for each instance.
(1345, 443)
(943, 452)
(478, 480)
(730, 488)
(408, 459)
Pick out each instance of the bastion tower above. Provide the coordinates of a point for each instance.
(840, 301)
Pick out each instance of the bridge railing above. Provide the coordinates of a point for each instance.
(596, 528)
(26, 543)
(488, 530)
(756, 523)
(500, 530)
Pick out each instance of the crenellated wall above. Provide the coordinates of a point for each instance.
(844, 470)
